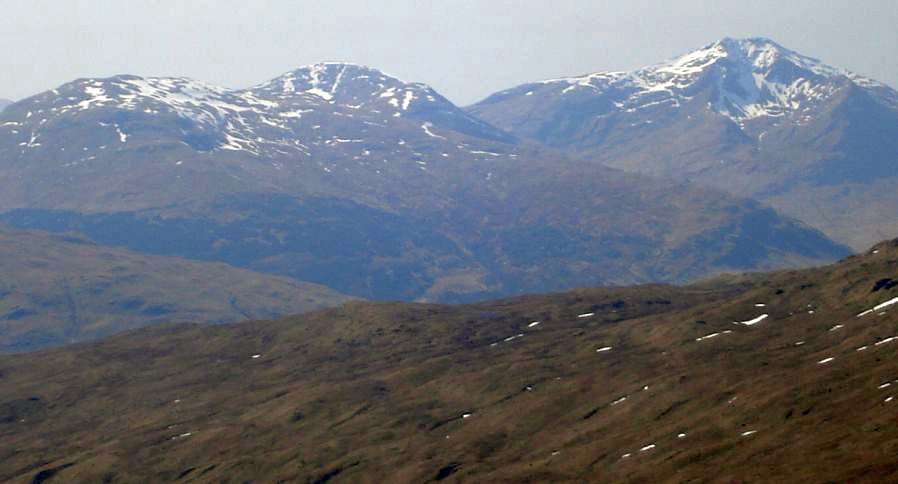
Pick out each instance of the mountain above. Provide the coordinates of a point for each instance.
(748, 116)
(4, 103)
(63, 289)
(781, 377)
(344, 176)
(177, 141)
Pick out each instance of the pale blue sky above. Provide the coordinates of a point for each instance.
(464, 48)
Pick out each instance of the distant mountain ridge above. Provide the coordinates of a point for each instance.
(4, 103)
(748, 116)
(344, 176)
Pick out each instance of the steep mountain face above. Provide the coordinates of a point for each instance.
(63, 289)
(785, 377)
(341, 175)
(748, 116)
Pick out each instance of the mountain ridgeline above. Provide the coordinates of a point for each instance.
(341, 175)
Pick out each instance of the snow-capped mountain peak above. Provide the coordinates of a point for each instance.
(324, 79)
(761, 53)
(749, 79)
(351, 85)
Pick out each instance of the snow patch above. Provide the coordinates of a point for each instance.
(879, 307)
(752, 322)
(426, 127)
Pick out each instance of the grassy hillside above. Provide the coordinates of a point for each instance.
(612, 385)
(59, 289)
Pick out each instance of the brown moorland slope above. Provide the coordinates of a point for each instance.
(639, 384)
(59, 289)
